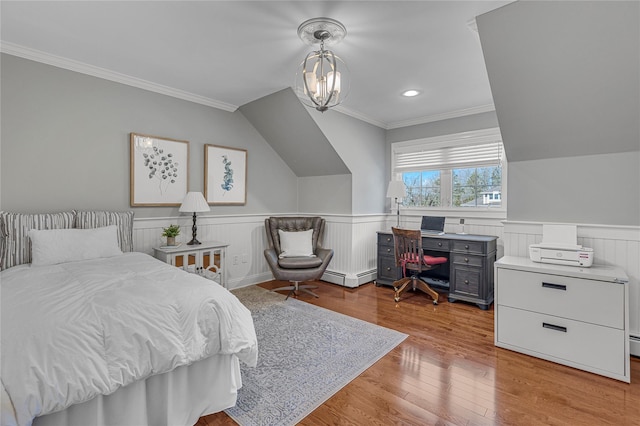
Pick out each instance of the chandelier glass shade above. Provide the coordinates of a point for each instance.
(322, 80)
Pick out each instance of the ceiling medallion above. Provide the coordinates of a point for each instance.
(322, 80)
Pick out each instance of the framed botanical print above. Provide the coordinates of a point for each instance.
(159, 170)
(225, 175)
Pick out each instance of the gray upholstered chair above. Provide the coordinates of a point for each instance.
(296, 268)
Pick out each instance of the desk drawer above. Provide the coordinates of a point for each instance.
(597, 302)
(467, 260)
(466, 281)
(385, 240)
(469, 247)
(387, 269)
(435, 244)
(571, 342)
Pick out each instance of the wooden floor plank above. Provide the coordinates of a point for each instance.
(448, 371)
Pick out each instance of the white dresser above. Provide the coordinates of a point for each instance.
(570, 315)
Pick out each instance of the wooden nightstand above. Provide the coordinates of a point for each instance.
(206, 259)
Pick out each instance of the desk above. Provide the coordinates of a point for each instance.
(207, 259)
(469, 270)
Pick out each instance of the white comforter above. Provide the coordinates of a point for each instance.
(76, 330)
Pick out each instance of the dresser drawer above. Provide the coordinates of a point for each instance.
(385, 240)
(435, 244)
(597, 302)
(467, 260)
(562, 340)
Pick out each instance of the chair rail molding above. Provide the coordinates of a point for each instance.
(352, 237)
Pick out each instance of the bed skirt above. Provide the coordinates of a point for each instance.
(178, 397)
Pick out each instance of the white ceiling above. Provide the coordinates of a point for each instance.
(228, 53)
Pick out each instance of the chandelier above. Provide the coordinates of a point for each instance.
(322, 80)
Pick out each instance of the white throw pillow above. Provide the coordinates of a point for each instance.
(53, 246)
(295, 244)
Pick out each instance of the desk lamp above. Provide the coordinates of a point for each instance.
(194, 202)
(396, 189)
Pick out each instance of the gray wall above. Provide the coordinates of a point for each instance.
(564, 77)
(566, 190)
(325, 194)
(65, 143)
(362, 147)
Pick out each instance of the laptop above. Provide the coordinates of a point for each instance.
(432, 225)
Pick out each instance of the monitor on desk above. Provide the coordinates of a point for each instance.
(432, 225)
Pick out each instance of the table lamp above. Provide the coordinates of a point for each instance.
(396, 189)
(194, 202)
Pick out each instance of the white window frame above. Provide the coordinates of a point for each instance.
(454, 140)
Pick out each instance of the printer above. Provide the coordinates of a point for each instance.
(559, 246)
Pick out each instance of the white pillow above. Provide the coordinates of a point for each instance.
(294, 244)
(53, 246)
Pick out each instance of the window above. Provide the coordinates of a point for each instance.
(459, 171)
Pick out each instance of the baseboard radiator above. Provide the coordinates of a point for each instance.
(634, 345)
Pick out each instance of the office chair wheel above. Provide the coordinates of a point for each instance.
(435, 302)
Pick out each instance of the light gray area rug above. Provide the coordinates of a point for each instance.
(305, 355)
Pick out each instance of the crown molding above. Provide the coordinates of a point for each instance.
(71, 65)
(440, 117)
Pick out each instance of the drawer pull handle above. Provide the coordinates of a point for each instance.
(466, 259)
(554, 327)
(466, 246)
(388, 250)
(439, 244)
(466, 281)
(555, 286)
(388, 269)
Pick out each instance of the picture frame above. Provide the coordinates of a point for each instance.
(225, 175)
(159, 170)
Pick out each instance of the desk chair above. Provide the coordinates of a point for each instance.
(410, 257)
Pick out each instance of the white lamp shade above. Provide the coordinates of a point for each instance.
(396, 189)
(194, 202)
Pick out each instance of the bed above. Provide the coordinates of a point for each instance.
(93, 334)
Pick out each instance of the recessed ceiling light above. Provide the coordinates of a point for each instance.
(410, 93)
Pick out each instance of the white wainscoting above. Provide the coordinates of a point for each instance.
(612, 245)
(352, 237)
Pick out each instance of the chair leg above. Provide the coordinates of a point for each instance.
(399, 286)
(295, 287)
(421, 285)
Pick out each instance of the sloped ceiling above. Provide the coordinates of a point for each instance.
(285, 124)
(564, 77)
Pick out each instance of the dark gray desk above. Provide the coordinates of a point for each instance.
(469, 270)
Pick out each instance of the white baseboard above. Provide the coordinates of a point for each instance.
(634, 345)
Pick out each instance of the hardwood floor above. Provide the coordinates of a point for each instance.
(448, 372)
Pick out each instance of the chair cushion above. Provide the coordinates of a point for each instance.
(429, 260)
(432, 260)
(299, 262)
